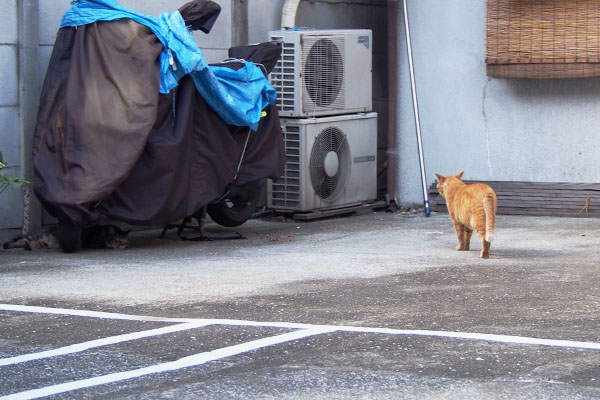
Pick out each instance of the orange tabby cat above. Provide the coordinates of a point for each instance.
(470, 207)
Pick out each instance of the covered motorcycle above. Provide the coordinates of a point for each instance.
(134, 126)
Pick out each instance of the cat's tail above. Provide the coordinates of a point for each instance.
(489, 206)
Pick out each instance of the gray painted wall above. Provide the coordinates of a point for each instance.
(492, 128)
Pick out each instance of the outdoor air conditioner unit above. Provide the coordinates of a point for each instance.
(331, 163)
(323, 72)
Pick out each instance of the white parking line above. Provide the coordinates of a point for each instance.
(86, 313)
(291, 325)
(185, 362)
(300, 331)
(76, 348)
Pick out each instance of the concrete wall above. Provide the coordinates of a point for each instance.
(492, 128)
(11, 200)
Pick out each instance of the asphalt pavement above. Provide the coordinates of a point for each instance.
(375, 306)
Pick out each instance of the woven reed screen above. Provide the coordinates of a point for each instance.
(543, 38)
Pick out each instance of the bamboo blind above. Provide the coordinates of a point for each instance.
(543, 38)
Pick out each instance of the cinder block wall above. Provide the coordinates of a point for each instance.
(11, 200)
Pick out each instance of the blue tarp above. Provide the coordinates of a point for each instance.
(237, 96)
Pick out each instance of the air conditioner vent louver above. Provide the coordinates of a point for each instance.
(283, 77)
(323, 72)
(286, 189)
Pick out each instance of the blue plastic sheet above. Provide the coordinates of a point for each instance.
(237, 96)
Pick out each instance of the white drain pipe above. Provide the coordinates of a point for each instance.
(288, 14)
(416, 110)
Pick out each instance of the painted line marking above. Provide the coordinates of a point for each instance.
(89, 314)
(510, 339)
(300, 331)
(185, 362)
(79, 347)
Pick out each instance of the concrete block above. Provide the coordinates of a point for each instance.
(220, 34)
(9, 136)
(48, 219)
(215, 55)
(11, 204)
(263, 16)
(45, 53)
(8, 234)
(51, 12)
(8, 14)
(8, 75)
(152, 7)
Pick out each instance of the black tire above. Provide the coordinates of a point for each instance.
(69, 237)
(238, 206)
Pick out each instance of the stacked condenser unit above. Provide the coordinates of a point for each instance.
(324, 89)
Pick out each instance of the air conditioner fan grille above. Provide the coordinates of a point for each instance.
(330, 144)
(323, 73)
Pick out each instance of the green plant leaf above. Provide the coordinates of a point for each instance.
(6, 180)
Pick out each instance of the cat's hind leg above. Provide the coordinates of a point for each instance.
(467, 238)
(485, 249)
(464, 236)
(485, 245)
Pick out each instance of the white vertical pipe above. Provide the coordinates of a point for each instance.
(288, 14)
(416, 110)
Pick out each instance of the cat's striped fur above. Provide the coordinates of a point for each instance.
(96, 237)
(471, 207)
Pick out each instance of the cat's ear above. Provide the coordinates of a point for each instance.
(439, 178)
(459, 176)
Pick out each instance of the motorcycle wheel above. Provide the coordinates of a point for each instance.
(238, 206)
